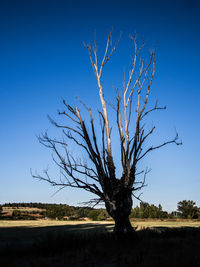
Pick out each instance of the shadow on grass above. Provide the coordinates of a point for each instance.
(26, 231)
(94, 245)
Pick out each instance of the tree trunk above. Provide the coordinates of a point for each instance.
(119, 206)
(122, 226)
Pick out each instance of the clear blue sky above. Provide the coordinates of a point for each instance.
(42, 59)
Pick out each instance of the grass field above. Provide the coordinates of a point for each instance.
(7, 209)
(138, 224)
(91, 244)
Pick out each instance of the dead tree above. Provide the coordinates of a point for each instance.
(98, 175)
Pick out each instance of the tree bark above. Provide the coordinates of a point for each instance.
(123, 226)
(119, 206)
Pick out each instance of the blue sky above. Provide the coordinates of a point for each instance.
(42, 59)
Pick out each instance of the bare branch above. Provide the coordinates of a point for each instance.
(153, 109)
(120, 129)
(142, 183)
(64, 113)
(64, 126)
(107, 57)
(175, 141)
(93, 202)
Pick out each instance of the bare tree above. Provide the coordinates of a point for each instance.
(98, 176)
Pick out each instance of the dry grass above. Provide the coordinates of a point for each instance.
(167, 223)
(10, 209)
(43, 223)
(138, 224)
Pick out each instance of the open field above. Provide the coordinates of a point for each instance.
(44, 223)
(92, 244)
(167, 223)
(135, 223)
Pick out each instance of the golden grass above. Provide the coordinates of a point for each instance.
(139, 224)
(168, 223)
(8, 209)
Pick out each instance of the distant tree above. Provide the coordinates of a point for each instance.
(98, 214)
(1, 209)
(165, 215)
(188, 209)
(144, 210)
(103, 215)
(148, 211)
(57, 211)
(16, 214)
(82, 212)
(93, 215)
(160, 211)
(135, 213)
(198, 213)
(131, 111)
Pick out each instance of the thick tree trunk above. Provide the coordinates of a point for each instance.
(119, 206)
(122, 226)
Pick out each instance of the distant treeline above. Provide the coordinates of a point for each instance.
(146, 210)
(55, 211)
(37, 205)
(186, 209)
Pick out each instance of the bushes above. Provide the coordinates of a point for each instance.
(16, 214)
(74, 213)
(98, 215)
(56, 212)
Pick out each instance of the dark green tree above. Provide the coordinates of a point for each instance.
(57, 211)
(16, 214)
(146, 210)
(135, 213)
(93, 215)
(188, 209)
(160, 211)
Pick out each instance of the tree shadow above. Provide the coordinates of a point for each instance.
(91, 243)
(19, 235)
